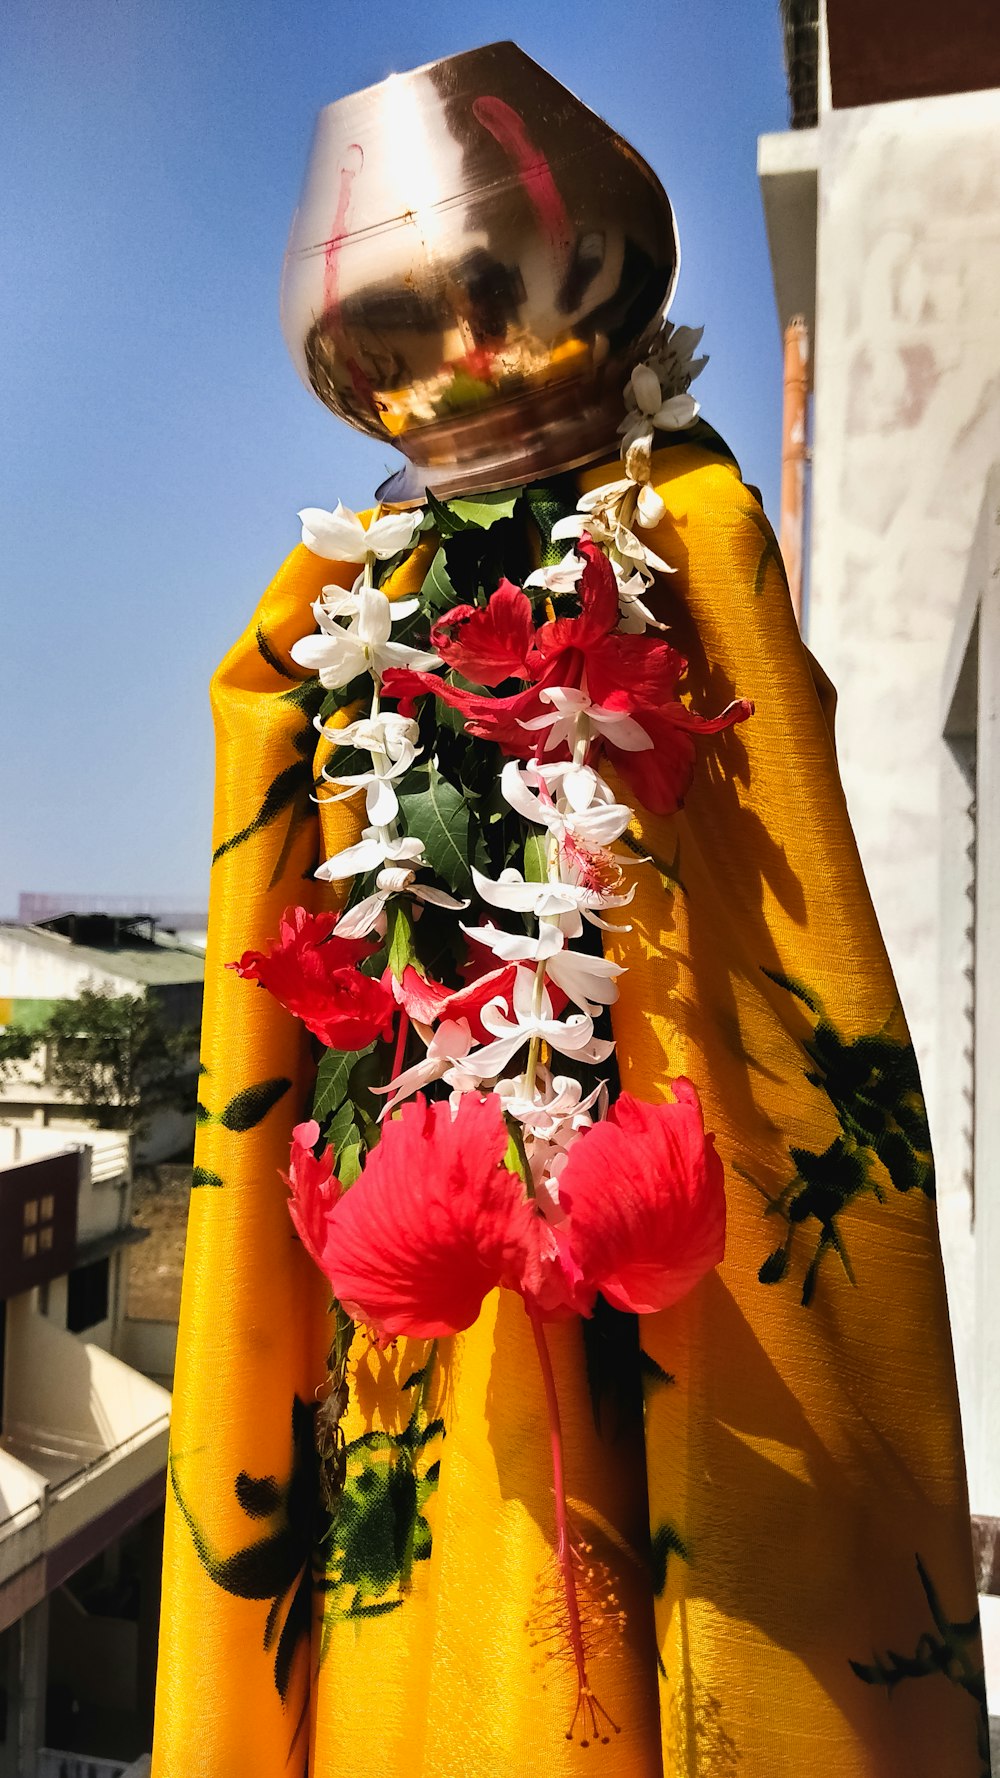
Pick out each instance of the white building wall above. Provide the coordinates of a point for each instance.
(906, 427)
(29, 972)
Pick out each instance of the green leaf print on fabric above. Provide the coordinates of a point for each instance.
(245, 1110)
(291, 788)
(770, 555)
(873, 1084)
(379, 1530)
(276, 1563)
(268, 653)
(953, 1650)
(665, 1542)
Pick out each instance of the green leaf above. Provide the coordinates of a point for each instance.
(444, 521)
(476, 513)
(438, 591)
(251, 1106)
(368, 1071)
(344, 1138)
(438, 816)
(338, 1132)
(399, 935)
(351, 1159)
(332, 1081)
(515, 1158)
(481, 511)
(535, 860)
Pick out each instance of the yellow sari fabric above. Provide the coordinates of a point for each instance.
(785, 1526)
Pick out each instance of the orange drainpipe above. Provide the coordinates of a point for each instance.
(794, 455)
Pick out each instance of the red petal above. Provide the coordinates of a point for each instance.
(645, 1199)
(598, 595)
(487, 644)
(468, 1002)
(549, 1278)
(314, 1189)
(660, 777)
(419, 995)
(488, 718)
(433, 1224)
(314, 974)
(629, 672)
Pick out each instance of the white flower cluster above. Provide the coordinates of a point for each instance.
(574, 809)
(341, 652)
(580, 818)
(657, 398)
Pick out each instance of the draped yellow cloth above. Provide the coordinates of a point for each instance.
(787, 1527)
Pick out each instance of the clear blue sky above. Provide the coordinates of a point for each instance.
(157, 442)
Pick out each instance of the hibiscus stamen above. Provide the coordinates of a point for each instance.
(589, 1714)
(593, 867)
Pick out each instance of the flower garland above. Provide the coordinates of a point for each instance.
(468, 1132)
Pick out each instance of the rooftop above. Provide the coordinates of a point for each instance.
(132, 949)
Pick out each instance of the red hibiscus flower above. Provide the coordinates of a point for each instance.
(433, 1224)
(635, 675)
(436, 1220)
(314, 974)
(314, 1190)
(645, 1203)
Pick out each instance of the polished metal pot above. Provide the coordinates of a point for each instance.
(476, 264)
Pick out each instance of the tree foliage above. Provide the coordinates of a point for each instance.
(113, 1055)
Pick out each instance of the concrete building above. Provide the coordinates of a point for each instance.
(883, 213)
(83, 1449)
(44, 964)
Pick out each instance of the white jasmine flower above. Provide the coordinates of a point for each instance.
(561, 577)
(591, 814)
(517, 947)
(341, 537)
(444, 1060)
(672, 415)
(588, 981)
(567, 903)
(389, 738)
(338, 655)
(532, 1017)
(369, 914)
(636, 616)
(556, 1100)
(671, 357)
(571, 708)
(376, 847)
(601, 515)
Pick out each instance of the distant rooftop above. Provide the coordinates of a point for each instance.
(37, 909)
(134, 948)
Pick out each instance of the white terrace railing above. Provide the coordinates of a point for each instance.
(109, 1157)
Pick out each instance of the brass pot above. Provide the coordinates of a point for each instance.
(476, 264)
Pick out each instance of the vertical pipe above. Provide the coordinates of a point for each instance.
(794, 454)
